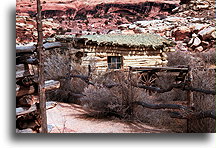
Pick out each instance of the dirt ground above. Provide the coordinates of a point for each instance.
(71, 118)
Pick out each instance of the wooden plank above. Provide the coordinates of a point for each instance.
(158, 68)
(33, 108)
(25, 49)
(52, 45)
(25, 91)
(49, 85)
(31, 49)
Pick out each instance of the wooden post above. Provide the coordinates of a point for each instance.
(41, 81)
(189, 97)
(131, 95)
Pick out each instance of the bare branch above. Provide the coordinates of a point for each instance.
(196, 115)
(82, 77)
(181, 86)
(188, 115)
(161, 106)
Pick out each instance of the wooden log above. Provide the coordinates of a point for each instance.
(33, 108)
(119, 52)
(194, 115)
(49, 85)
(26, 60)
(26, 81)
(52, 45)
(161, 106)
(158, 68)
(24, 70)
(25, 91)
(17, 87)
(189, 98)
(181, 86)
(25, 101)
(31, 49)
(25, 49)
(28, 130)
(30, 121)
(141, 57)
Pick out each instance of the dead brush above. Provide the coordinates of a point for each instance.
(59, 66)
(116, 101)
(208, 57)
(179, 58)
(164, 81)
(206, 80)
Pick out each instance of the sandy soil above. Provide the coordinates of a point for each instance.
(70, 118)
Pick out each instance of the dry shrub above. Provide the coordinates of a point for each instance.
(111, 101)
(182, 58)
(165, 80)
(60, 63)
(117, 102)
(203, 102)
(99, 99)
(208, 57)
(203, 78)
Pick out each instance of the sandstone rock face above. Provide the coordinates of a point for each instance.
(189, 28)
(207, 32)
(87, 16)
(182, 33)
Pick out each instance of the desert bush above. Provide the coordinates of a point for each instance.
(164, 81)
(179, 58)
(205, 80)
(117, 100)
(58, 66)
(208, 57)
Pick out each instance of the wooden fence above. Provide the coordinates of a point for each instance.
(27, 82)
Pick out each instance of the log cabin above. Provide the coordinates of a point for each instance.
(115, 51)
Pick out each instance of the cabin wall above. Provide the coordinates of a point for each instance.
(96, 56)
(98, 59)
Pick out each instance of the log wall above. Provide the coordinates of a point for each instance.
(98, 57)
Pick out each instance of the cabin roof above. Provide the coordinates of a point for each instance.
(136, 40)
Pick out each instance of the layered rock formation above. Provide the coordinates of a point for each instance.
(194, 32)
(88, 17)
(190, 23)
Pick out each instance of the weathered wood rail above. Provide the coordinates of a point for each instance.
(32, 49)
(188, 110)
(27, 83)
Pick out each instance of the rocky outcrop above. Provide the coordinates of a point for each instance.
(189, 33)
(72, 17)
(192, 29)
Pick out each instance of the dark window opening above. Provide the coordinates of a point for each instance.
(115, 62)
